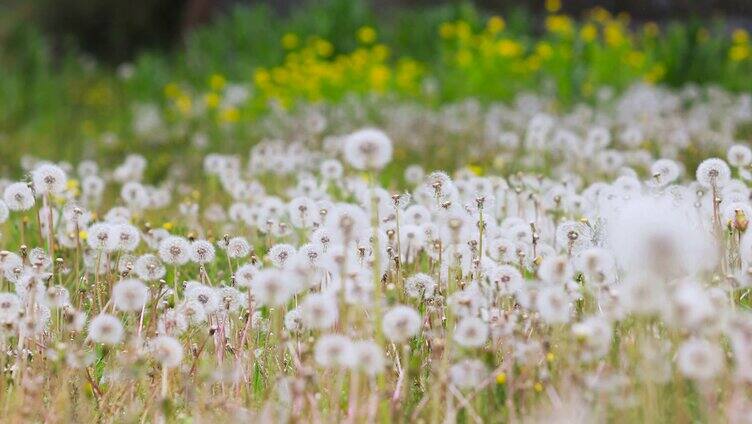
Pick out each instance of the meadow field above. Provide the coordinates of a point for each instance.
(430, 214)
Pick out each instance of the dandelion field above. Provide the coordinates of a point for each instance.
(500, 228)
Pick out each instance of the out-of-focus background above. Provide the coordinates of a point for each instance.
(84, 77)
(117, 30)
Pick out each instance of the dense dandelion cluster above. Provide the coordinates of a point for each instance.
(597, 265)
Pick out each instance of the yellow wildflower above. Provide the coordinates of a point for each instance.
(740, 36)
(739, 53)
(501, 378)
(366, 35)
(495, 24)
(229, 115)
(211, 100)
(553, 6)
(589, 32)
(290, 41)
(217, 82)
(446, 30)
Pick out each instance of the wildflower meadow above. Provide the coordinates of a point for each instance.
(441, 215)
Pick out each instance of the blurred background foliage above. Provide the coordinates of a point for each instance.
(74, 72)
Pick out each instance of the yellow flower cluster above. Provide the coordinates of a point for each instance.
(740, 48)
(591, 50)
(313, 72)
(493, 61)
(188, 104)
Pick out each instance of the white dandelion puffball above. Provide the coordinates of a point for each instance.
(368, 149)
(245, 275)
(102, 237)
(175, 250)
(202, 251)
(468, 373)
(166, 350)
(204, 295)
(49, 179)
(18, 197)
(130, 295)
(713, 172)
(368, 357)
(739, 155)
(652, 236)
(238, 247)
(333, 350)
(149, 268)
(319, 311)
(271, 287)
(127, 236)
(105, 329)
(471, 332)
(420, 285)
(699, 359)
(553, 305)
(400, 323)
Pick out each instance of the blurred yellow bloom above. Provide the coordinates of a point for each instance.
(380, 52)
(261, 77)
(211, 100)
(553, 6)
(229, 115)
(613, 34)
(495, 24)
(544, 50)
(655, 73)
(508, 48)
(589, 32)
(171, 90)
(290, 41)
(476, 169)
(72, 186)
(463, 31)
(217, 82)
(280, 75)
(550, 357)
(559, 24)
(323, 48)
(366, 35)
(635, 59)
(83, 234)
(501, 378)
(538, 387)
(600, 14)
(168, 226)
(379, 77)
(408, 74)
(446, 30)
(184, 104)
(739, 52)
(464, 58)
(740, 36)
